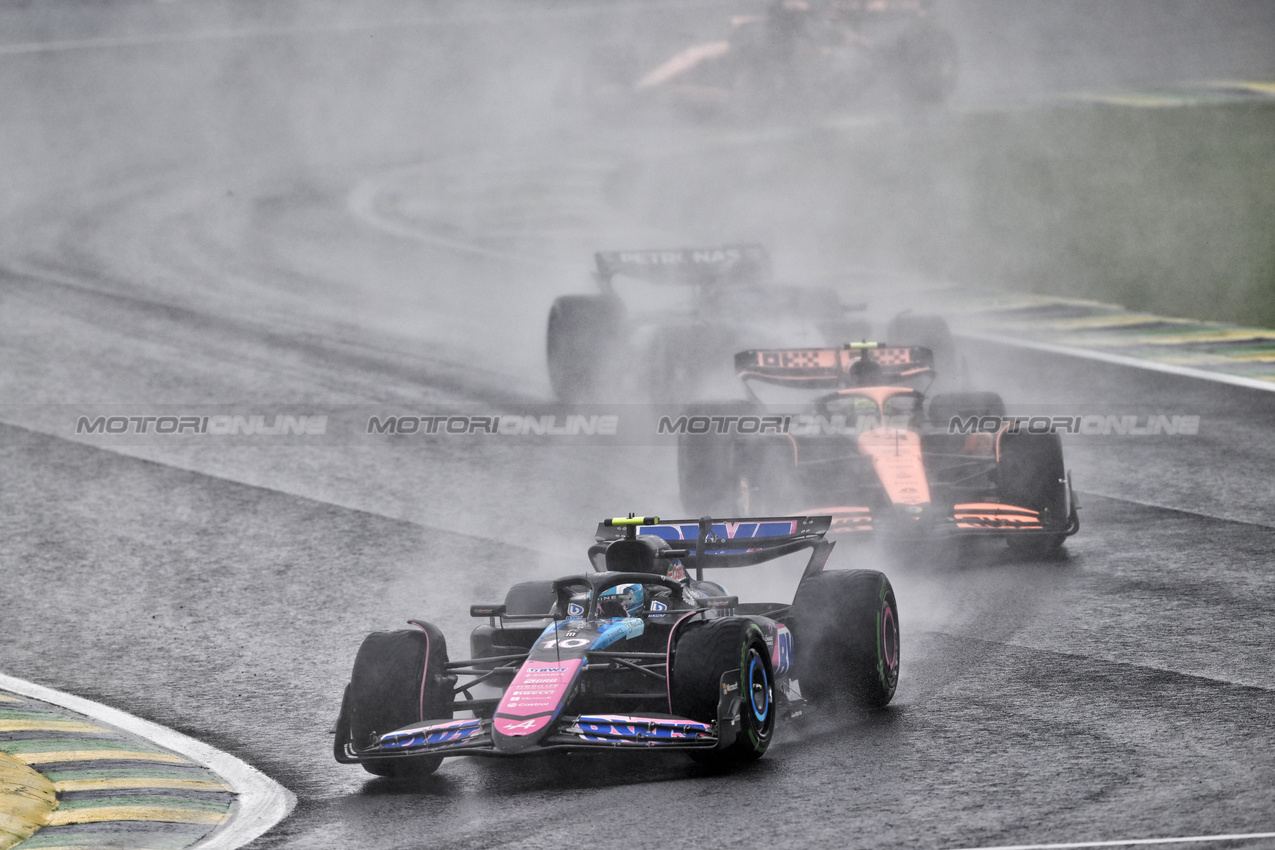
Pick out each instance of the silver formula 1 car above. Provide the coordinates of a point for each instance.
(665, 324)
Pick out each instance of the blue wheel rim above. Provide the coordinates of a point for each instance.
(758, 687)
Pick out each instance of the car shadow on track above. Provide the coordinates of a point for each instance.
(579, 771)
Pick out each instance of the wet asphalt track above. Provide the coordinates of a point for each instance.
(1122, 692)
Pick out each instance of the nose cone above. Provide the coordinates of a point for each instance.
(533, 702)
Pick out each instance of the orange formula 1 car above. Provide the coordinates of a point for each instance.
(812, 55)
(868, 447)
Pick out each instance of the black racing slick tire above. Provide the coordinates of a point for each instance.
(1031, 474)
(927, 330)
(399, 678)
(707, 479)
(944, 407)
(531, 597)
(845, 627)
(823, 307)
(703, 655)
(582, 345)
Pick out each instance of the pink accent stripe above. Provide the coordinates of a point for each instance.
(420, 702)
(668, 658)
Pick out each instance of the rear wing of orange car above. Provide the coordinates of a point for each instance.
(724, 264)
(854, 365)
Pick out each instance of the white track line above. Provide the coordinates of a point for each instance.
(1087, 492)
(1124, 360)
(1133, 842)
(260, 802)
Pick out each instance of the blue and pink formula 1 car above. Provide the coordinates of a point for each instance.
(641, 654)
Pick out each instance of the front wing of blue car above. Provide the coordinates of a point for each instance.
(475, 737)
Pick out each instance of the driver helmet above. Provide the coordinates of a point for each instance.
(623, 600)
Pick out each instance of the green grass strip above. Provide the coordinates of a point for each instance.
(157, 802)
(114, 840)
(49, 745)
(17, 714)
(157, 772)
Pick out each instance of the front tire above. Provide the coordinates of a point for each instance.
(704, 654)
(399, 678)
(845, 627)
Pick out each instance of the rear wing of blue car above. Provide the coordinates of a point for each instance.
(724, 264)
(708, 543)
(854, 365)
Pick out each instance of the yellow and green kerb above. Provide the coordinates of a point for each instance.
(69, 782)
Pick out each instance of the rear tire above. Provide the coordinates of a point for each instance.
(1031, 474)
(927, 330)
(703, 654)
(674, 367)
(845, 628)
(399, 678)
(582, 344)
(838, 332)
(822, 307)
(707, 478)
(766, 477)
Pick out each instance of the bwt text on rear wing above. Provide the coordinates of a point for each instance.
(717, 543)
(722, 264)
(856, 364)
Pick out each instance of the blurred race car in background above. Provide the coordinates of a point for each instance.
(804, 56)
(682, 339)
(858, 439)
(637, 655)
